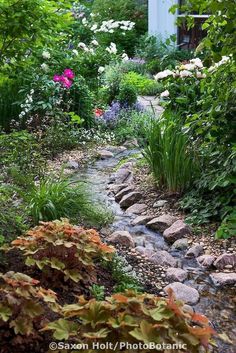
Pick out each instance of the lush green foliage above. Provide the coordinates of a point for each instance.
(142, 84)
(170, 154)
(63, 252)
(132, 318)
(23, 303)
(53, 199)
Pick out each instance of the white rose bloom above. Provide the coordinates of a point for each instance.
(185, 73)
(189, 67)
(163, 74)
(197, 62)
(46, 55)
(165, 94)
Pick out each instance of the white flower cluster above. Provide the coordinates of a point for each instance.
(112, 48)
(85, 48)
(110, 26)
(164, 74)
(46, 55)
(124, 57)
(44, 67)
(224, 60)
(192, 69)
(95, 135)
(101, 69)
(27, 105)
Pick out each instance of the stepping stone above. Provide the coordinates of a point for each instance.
(129, 199)
(163, 258)
(137, 208)
(121, 237)
(104, 154)
(205, 261)
(194, 251)
(184, 293)
(222, 279)
(124, 192)
(141, 220)
(224, 260)
(122, 176)
(161, 223)
(176, 231)
(117, 187)
(176, 274)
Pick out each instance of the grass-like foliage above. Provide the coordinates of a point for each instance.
(133, 318)
(169, 154)
(23, 303)
(54, 199)
(63, 251)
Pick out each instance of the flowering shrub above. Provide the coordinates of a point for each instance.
(63, 251)
(23, 303)
(134, 318)
(66, 79)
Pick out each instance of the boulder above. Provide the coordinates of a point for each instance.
(163, 258)
(224, 260)
(180, 244)
(184, 293)
(122, 176)
(176, 231)
(176, 274)
(205, 261)
(124, 192)
(222, 279)
(194, 251)
(129, 199)
(137, 208)
(121, 237)
(159, 203)
(104, 154)
(161, 223)
(141, 220)
(115, 188)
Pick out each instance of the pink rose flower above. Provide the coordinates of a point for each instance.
(69, 73)
(56, 78)
(66, 82)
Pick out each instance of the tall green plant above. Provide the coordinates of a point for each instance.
(169, 154)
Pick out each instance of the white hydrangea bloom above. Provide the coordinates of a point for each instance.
(197, 62)
(46, 55)
(164, 74)
(185, 73)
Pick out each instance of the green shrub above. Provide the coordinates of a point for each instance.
(170, 155)
(54, 199)
(142, 84)
(127, 95)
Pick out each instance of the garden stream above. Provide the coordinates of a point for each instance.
(217, 304)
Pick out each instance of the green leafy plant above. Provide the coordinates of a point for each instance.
(63, 252)
(228, 227)
(142, 84)
(169, 154)
(127, 94)
(23, 303)
(133, 318)
(97, 291)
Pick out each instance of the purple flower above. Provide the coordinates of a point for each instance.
(137, 61)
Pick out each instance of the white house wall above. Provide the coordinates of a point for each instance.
(160, 21)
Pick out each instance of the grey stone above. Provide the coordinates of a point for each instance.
(144, 251)
(184, 293)
(163, 258)
(129, 199)
(176, 274)
(176, 231)
(115, 188)
(122, 176)
(121, 237)
(224, 260)
(72, 164)
(104, 154)
(205, 261)
(161, 223)
(137, 208)
(194, 251)
(160, 203)
(124, 192)
(180, 244)
(222, 279)
(141, 220)
(131, 143)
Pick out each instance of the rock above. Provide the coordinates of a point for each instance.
(182, 292)
(127, 165)
(115, 188)
(122, 176)
(131, 143)
(176, 274)
(137, 208)
(225, 259)
(141, 220)
(188, 309)
(221, 279)
(144, 251)
(129, 199)
(71, 164)
(104, 154)
(161, 223)
(159, 203)
(194, 251)
(162, 258)
(176, 231)
(124, 192)
(205, 261)
(180, 244)
(121, 237)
